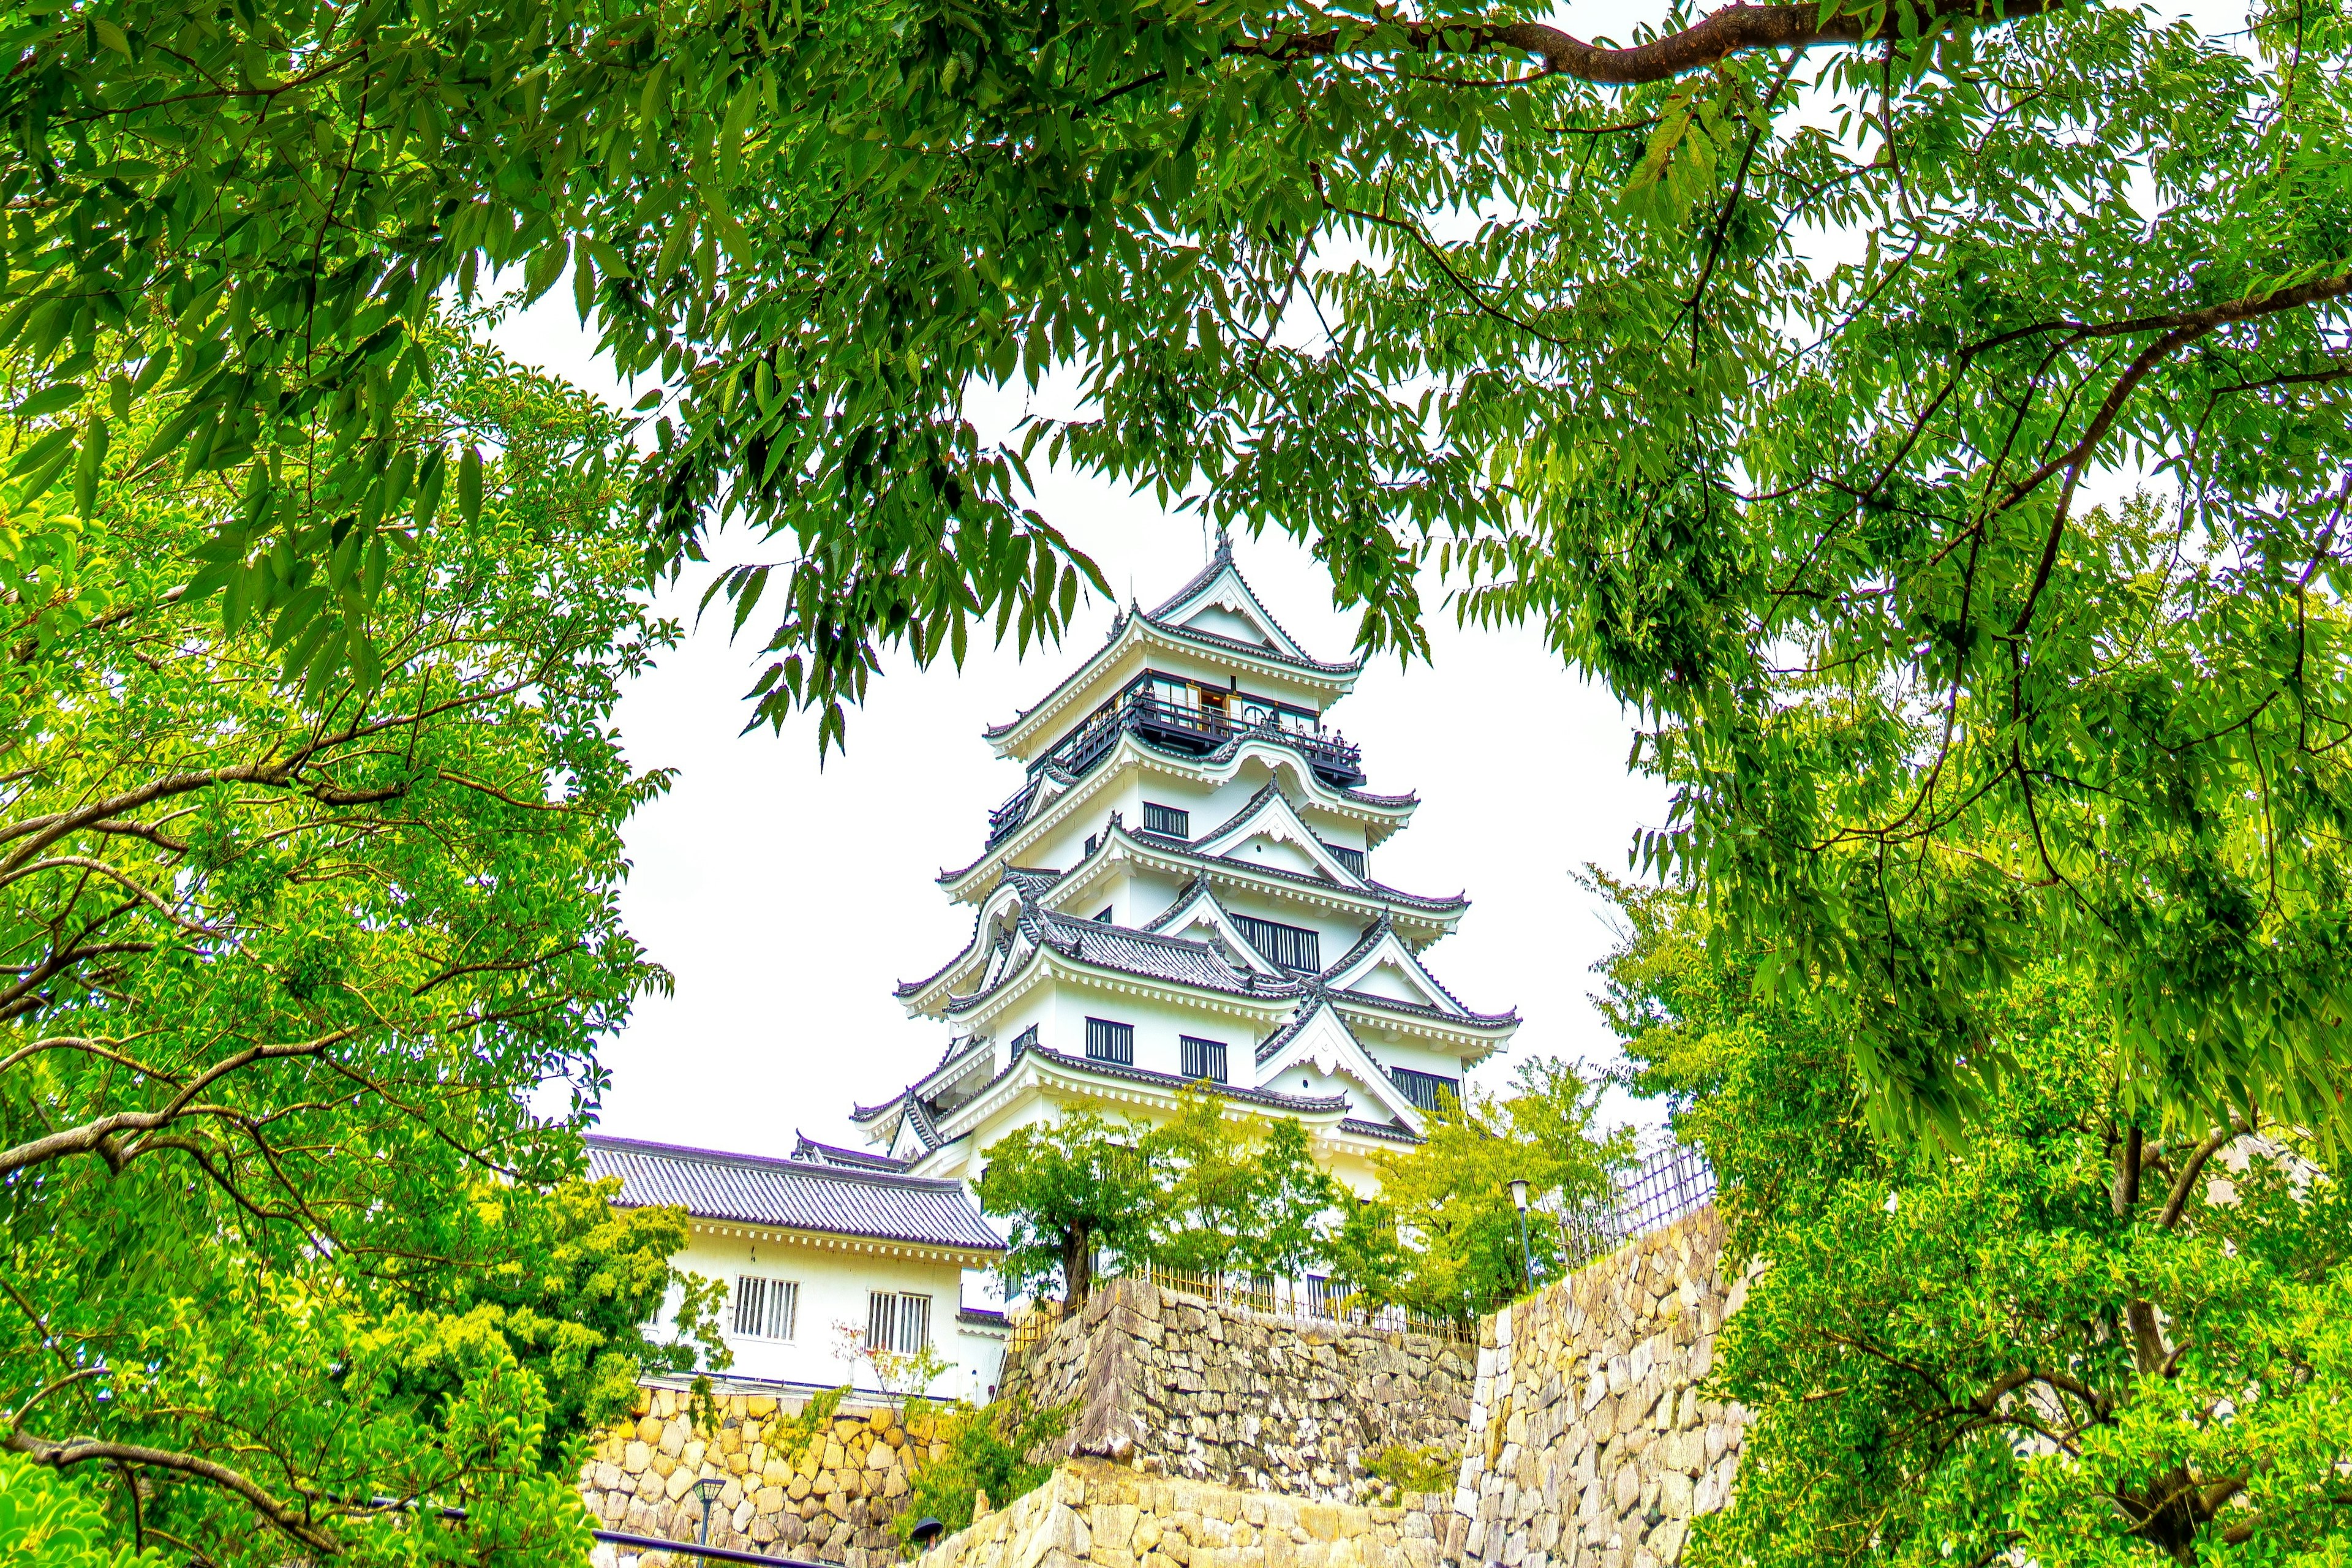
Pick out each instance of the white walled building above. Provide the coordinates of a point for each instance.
(827, 1240)
(1181, 892)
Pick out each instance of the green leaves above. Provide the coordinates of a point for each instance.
(469, 485)
(2020, 1343)
(1758, 391)
(370, 917)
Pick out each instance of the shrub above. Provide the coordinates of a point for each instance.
(981, 1450)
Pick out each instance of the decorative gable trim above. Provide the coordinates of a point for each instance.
(1197, 905)
(1319, 1037)
(1269, 811)
(1221, 585)
(1380, 945)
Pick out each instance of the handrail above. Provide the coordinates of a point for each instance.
(618, 1538)
(692, 1549)
(1033, 1322)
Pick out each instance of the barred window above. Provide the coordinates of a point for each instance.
(1431, 1091)
(1110, 1042)
(1292, 947)
(898, 1320)
(766, 1308)
(1168, 821)
(1201, 1059)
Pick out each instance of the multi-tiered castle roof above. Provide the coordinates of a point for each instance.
(1181, 892)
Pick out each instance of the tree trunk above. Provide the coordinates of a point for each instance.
(1077, 1264)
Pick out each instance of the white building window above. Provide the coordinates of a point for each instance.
(766, 1308)
(895, 1322)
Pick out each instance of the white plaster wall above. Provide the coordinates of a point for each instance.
(1158, 1026)
(833, 1288)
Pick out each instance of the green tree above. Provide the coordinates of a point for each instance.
(979, 1450)
(1444, 1234)
(1080, 1184)
(1764, 361)
(2077, 1339)
(1243, 1195)
(285, 967)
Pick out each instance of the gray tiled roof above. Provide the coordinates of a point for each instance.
(1390, 1005)
(807, 1151)
(1172, 958)
(795, 1193)
(1276, 1098)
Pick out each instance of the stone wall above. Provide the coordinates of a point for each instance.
(1204, 1436)
(1109, 1516)
(1591, 1442)
(832, 1500)
(1176, 1385)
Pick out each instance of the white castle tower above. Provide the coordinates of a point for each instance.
(1182, 892)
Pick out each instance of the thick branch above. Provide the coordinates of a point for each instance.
(2190, 1169)
(2184, 328)
(1734, 30)
(99, 1136)
(83, 1450)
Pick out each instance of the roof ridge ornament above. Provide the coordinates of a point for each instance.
(1223, 554)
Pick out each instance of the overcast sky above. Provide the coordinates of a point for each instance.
(788, 899)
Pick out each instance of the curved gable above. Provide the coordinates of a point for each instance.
(1269, 830)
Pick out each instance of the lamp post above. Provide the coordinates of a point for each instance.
(708, 1489)
(1526, 1260)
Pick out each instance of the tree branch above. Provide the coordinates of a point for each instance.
(86, 1450)
(98, 1136)
(2190, 1169)
(1734, 30)
(2185, 328)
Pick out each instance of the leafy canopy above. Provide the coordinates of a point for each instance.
(2085, 1338)
(278, 985)
(1207, 1192)
(1445, 1235)
(1770, 362)
(1068, 1189)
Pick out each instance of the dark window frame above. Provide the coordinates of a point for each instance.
(1108, 1040)
(1195, 1056)
(1428, 1090)
(1292, 947)
(1168, 821)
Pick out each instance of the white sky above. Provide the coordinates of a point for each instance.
(788, 899)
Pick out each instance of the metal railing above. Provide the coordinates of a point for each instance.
(1670, 1181)
(1311, 1300)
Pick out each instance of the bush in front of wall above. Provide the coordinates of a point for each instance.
(987, 1449)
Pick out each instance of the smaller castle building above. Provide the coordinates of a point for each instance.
(824, 1255)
